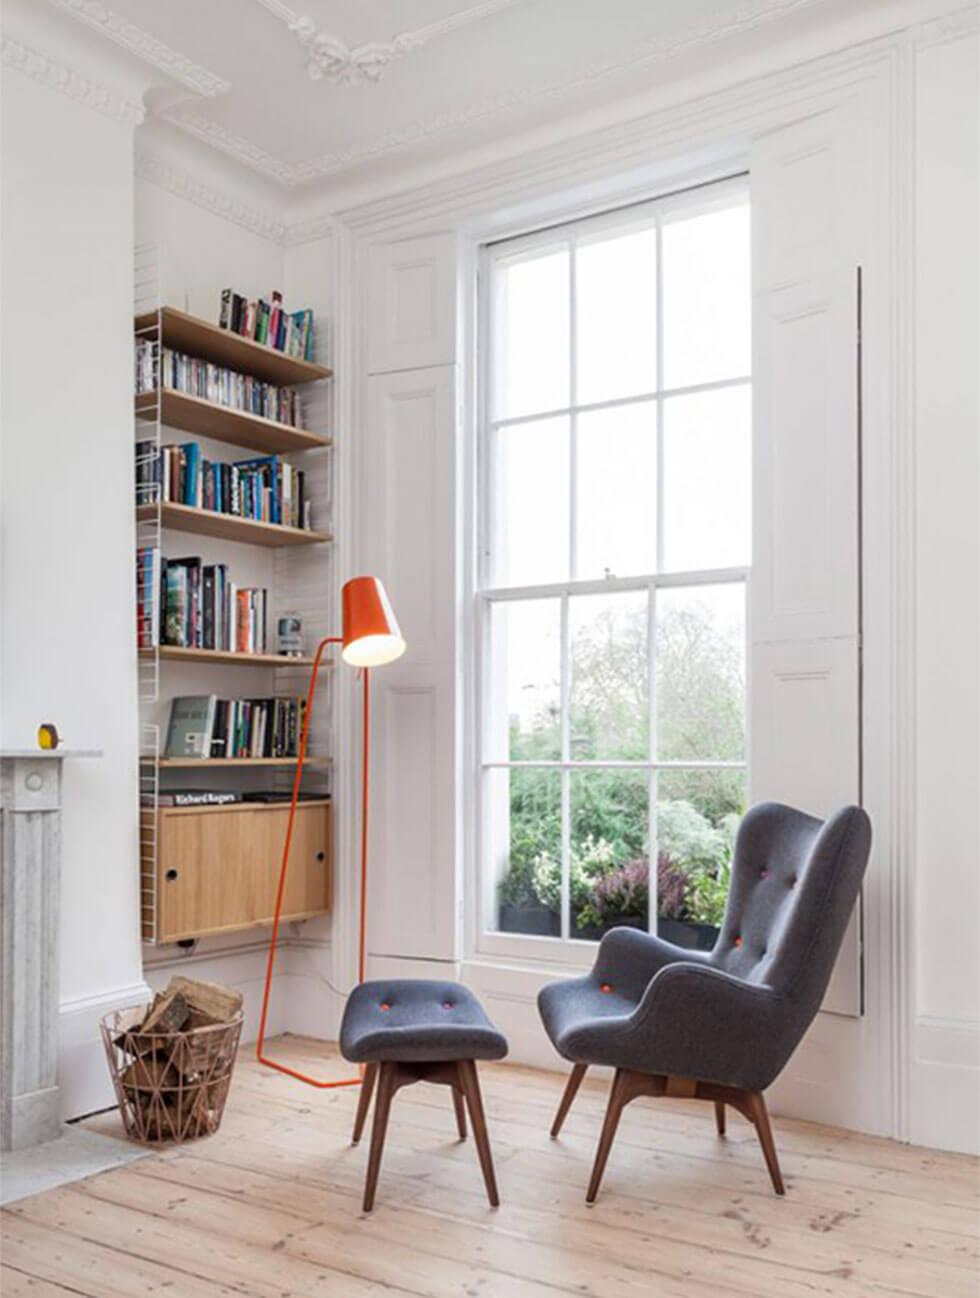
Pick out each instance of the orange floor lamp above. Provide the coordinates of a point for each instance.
(370, 638)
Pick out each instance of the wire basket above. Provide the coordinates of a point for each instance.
(171, 1086)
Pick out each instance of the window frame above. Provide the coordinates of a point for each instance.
(567, 949)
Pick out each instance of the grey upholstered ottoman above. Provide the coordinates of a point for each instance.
(413, 1030)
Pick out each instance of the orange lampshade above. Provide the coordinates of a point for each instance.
(371, 634)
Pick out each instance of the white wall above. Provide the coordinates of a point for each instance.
(67, 649)
(946, 1030)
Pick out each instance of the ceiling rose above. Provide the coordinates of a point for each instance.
(330, 58)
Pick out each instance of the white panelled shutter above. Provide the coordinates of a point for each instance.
(805, 723)
(407, 536)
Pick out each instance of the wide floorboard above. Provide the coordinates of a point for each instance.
(270, 1206)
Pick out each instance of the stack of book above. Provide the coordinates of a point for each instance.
(215, 383)
(268, 323)
(205, 726)
(193, 605)
(264, 488)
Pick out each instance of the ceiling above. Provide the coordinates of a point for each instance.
(304, 97)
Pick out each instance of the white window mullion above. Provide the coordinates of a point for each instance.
(652, 754)
(573, 411)
(565, 688)
(659, 327)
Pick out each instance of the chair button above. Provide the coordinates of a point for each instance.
(384, 1006)
(605, 987)
(738, 941)
(763, 873)
(447, 1005)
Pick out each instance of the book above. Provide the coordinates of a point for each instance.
(177, 372)
(269, 323)
(278, 795)
(191, 722)
(198, 797)
(263, 488)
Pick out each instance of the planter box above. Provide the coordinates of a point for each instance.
(681, 932)
(538, 921)
(687, 933)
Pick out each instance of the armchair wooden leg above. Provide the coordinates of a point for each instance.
(364, 1101)
(460, 1108)
(471, 1089)
(571, 1090)
(720, 1117)
(760, 1117)
(619, 1097)
(386, 1089)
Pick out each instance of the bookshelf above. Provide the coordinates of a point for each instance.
(180, 654)
(209, 869)
(221, 424)
(186, 333)
(226, 527)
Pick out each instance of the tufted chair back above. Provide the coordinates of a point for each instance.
(794, 883)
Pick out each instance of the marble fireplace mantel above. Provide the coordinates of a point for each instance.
(30, 886)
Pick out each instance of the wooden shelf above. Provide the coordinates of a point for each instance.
(212, 763)
(186, 333)
(223, 424)
(228, 527)
(175, 653)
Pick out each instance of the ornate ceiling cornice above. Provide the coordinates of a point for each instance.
(57, 76)
(747, 16)
(330, 58)
(157, 172)
(145, 46)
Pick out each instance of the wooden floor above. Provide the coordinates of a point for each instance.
(270, 1206)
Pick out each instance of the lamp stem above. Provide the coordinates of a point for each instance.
(365, 781)
(270, 964)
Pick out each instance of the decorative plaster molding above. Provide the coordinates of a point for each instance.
(145, 46)
(187, 118)
(157, 172)
(949, 27)
(56, 76)
(310, 230)
(331, 58)
(747, 16)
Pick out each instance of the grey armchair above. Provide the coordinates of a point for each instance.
(718, 1026)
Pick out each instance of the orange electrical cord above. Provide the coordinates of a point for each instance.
(311, 693)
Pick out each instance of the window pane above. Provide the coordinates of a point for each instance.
(697, 816)
(530, 520)
(707, 469)
(608, 692)
(609, 869)
(706, 297)
(616, 316)
(616, 491)
(531, 352)
(524, 822)
(524, 695)
(700, 673)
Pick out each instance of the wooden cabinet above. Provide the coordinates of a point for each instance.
(218, 867)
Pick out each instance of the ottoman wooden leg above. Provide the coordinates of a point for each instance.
(364, 1101)
(386, 1089)
(471, 1089)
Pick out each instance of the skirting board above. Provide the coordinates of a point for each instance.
(83, 1074)
(945, 1084)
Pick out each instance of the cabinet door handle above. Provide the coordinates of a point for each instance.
(321, 856)
(170, 875)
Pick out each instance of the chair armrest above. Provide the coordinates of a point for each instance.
(628, 959)
(697, 1021)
